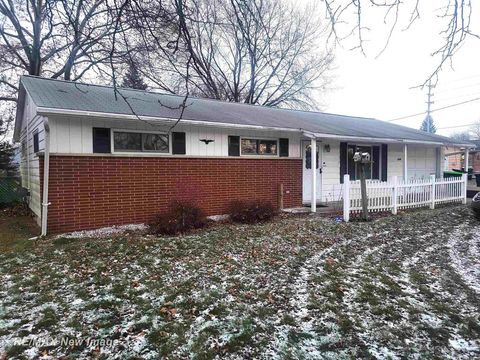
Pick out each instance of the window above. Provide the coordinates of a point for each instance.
(353, 168)
(258, 147)
(142, 142)
(155, 142)
(36, 145)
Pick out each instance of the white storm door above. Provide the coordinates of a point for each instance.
(307, 171)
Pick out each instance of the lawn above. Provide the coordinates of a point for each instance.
(296, 288)
(15, 230)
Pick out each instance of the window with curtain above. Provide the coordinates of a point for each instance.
(259, 147)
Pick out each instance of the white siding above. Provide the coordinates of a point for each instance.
(395, 160)
(29, 163)
(422, 161)
(74, 135)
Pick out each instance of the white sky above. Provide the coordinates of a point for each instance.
(382, 87)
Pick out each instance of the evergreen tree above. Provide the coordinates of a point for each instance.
(428, 123)
(7, 153)
(132, 78)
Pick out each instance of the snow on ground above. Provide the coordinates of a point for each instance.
(103, 232)
(301, 287)
(465, 256)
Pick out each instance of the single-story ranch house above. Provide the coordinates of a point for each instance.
(94, 157)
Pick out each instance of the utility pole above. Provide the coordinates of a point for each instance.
(429, 103)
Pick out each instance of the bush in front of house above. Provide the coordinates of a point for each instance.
(182, 217)
(251, 211)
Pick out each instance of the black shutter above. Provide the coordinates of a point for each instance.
(36, 144)
(178, 143)
(376, 162)
(343, 160)
(234, 146)
(283, 144)
(101, 140)
(384, 162)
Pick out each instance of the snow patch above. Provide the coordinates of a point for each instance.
(103, 232)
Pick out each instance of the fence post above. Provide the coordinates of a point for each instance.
(432, 193)
(395, 196)
(464, 184)
(346, 197)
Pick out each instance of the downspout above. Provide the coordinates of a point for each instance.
(46, 168)
(28, 156)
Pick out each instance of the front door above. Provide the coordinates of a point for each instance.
(307, 171)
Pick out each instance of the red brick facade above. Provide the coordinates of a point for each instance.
(88, 192)
(456, 161)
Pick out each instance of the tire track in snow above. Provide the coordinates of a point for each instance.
(465, 255)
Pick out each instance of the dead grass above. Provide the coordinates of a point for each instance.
(15, 232)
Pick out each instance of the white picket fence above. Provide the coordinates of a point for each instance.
(398, 194)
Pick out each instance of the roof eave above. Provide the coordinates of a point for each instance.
(58, 111)
(385, 140)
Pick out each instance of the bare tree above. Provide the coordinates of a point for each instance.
(461, 136)
(347, 19)
(253, 51)
(52, 38)
(475, 130)
(87, 26)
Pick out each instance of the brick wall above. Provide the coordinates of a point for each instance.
(456, 162)
(88, 192)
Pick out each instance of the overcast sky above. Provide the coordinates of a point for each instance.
(382, 87)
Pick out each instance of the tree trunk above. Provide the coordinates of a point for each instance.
(363, 187)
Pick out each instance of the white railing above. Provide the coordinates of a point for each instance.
(398, 194)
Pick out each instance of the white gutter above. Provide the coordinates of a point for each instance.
(54, 111)
(387, 140)
(28, 156)
(46, 169)
(309, 134)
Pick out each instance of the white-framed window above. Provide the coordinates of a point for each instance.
(140, 141)
(254, 146)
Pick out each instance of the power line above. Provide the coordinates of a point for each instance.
(458, 97)
(455, 126)
(434, 110)
(458, 88)
(465, 78)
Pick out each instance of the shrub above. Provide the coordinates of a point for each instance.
(183, 216)
(251, 212)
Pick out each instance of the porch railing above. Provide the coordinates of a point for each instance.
(399, 194)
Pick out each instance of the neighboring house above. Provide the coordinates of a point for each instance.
(456, 157)
(106, 165)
